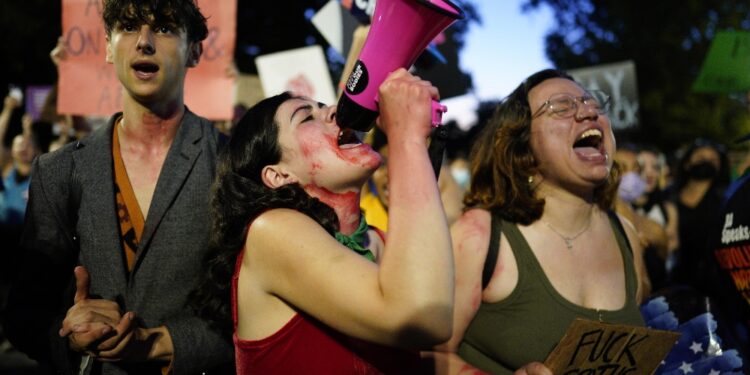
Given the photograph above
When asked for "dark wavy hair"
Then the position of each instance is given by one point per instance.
(238, 196)
(183, 13)
(502, 160)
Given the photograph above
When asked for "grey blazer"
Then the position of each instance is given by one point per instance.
(72, 219)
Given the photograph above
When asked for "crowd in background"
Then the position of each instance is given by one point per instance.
(669, 197)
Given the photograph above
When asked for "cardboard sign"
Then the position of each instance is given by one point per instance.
(88, 84)
(303, 71)
(726, 68)
(619, 81)
(593, 348)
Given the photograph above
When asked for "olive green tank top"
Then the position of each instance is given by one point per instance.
(526, 326)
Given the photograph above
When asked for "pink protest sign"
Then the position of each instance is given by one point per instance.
(88, 85)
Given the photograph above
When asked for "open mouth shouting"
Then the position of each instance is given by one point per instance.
(590, 145)
(145, 70)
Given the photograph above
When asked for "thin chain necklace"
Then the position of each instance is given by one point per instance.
(569, 240)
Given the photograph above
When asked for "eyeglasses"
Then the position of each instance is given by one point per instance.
(565, 105)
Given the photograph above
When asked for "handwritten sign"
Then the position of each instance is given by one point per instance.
(593, 348)
(88, 84)
(732, 254)
(619, 81)
(303, 71)
(726, 68)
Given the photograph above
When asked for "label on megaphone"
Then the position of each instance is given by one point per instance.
(358, 80)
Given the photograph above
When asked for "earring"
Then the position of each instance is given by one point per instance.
(531, 180)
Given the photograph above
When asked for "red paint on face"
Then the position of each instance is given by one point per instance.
(311, 142)
(362, 155)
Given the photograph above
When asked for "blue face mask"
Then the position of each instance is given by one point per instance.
(461, 175)
(631, 187)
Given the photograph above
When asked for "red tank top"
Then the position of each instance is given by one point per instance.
(306, 346)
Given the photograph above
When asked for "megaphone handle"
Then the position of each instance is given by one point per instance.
(435, 151)
(438, 137)
(437, 113)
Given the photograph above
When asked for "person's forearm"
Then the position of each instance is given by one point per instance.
(418, 261)
(4, 121)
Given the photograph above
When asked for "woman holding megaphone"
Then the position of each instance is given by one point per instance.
(295, 273)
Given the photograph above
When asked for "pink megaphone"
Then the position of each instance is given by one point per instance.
(399, 32)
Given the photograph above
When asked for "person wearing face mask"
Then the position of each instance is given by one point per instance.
(654, 205)
(700, 180)
(652, 235)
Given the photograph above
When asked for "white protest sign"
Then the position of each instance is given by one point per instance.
(303, 71)
(619, 81)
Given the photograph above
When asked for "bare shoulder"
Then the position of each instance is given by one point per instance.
(285, 242)
(281, 220)
(473, 222)
(630, 229)
(632, 235)
(472, 218)
(471, 234)
(269, 220)
(280, 230)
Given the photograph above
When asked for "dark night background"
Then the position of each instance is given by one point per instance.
(667, 40)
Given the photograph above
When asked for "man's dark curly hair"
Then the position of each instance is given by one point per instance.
(183, 13)
(238, 196)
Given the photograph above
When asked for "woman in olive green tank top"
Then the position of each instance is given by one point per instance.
(543, 176)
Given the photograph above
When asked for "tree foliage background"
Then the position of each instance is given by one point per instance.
(668, 41)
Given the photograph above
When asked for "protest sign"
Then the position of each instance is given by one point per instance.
(619, 81)
(594, 348)
(336, 26)
(732, 250)
(303, 71)
(726, 68)
(88, 84)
